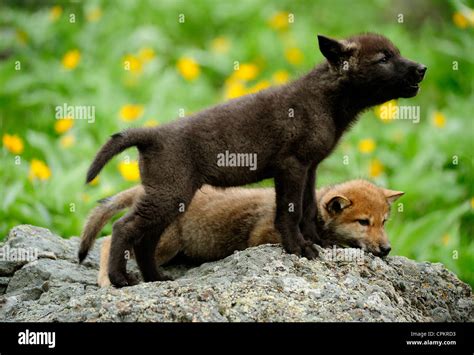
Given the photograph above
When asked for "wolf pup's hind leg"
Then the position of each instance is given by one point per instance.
(152, 214)
(156, 211)
(134, 233)
(123, 234)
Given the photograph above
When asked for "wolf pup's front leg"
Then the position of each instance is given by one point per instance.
(289, 186)
(308, 225)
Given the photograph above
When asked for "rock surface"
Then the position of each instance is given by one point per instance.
(258, 284)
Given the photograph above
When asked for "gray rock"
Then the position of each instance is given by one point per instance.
(262, 284)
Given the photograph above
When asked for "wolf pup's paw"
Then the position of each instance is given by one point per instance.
(310, 251)
(118, 279)
(310, 232)
(166, 278)
(301, 247)
(132, 279)
(156, 275)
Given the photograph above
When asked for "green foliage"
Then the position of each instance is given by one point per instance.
(431, 160)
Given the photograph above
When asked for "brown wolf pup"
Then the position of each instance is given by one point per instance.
(218, 222)
(282, 132)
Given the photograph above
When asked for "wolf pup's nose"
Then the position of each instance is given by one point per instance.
(421, 70)
(385, 249)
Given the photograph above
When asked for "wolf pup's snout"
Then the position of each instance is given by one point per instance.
(414, 75)
(385, 250)
(419, 71)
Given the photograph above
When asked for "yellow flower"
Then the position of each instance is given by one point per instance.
(445, 239)
(460, 20)
(131, 112)
(129, 171)
(387, 110)
(294, 55)
(151, 123)
(376, 168)
(67, 140)
(280, 77)
(71, 59)
(94, 181)
(94, 15)
(235, 89)
(132, 64)
(220, 45)
(39, 170)
(188, 68)
(259, 86)
(13, 143)
(146, 54)
(367, 146)
(279, 21)
(55, 12)
(472, 202)
(63, 125)
(438, 119)
(246, 71)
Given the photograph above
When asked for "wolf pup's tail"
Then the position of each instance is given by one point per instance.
(100, 215)
(139, 137)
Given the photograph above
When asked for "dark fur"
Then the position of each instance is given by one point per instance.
(177, 158)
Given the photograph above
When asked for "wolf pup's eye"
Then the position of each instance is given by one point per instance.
(363, 222)
(386, 57)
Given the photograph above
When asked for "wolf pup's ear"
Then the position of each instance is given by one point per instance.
(337, 204)
(392, 195)
(335, 51)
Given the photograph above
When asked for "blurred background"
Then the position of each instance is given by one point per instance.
(143, 63)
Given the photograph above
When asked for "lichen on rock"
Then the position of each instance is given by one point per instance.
(263, 284)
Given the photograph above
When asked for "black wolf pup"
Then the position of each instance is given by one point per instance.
(290, 129)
